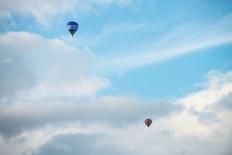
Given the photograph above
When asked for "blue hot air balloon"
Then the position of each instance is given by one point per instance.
(72, 27)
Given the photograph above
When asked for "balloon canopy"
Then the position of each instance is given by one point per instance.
(72, 27)
(148, 122)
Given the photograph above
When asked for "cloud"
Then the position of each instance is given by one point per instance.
(59, 125)
(27, 142)
(117, 111)
(226, 102)
(45, 68)
(216, 90)
(44, 11)
(202, 108)
(9, 71)
(78, 144)
(183, 131)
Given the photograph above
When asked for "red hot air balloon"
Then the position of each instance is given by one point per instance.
(148, 122)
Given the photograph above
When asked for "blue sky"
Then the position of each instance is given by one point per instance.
(132, 28)
(130, 59)
(173, 78)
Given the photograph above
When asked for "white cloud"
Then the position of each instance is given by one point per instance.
(218, 86)
(184, 132)
(181, 132)
(43, 11)
(46, 67)
(85, 86)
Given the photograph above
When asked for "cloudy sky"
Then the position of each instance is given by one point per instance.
(130, 60)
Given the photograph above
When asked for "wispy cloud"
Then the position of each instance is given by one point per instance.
(112, 30)
(184, 40)
(44, 11)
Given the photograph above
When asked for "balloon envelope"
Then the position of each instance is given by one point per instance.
(148, 122)
(72, 27)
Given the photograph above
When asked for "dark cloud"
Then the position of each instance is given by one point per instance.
(225, 103)
(102, 144)
(115, 111)
(210, 114)
(78, 144)
(15, 74)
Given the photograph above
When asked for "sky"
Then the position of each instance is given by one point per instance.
(167, 60)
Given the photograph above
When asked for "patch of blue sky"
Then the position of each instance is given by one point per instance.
(173, 78)
(114, 30)
(92, 22)
(123, 29)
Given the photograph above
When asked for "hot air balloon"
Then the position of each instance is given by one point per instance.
(148, 122)
(72, 27)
